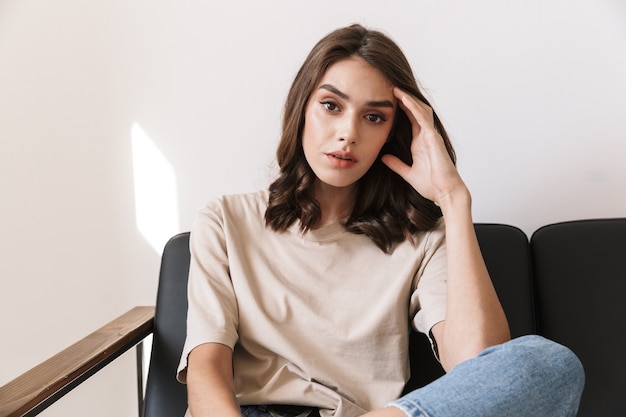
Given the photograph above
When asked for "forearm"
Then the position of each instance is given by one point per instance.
(474, 317)
(210, 382)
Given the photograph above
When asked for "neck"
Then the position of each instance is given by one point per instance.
(335, 203)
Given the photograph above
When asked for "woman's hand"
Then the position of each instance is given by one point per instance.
(432, 173)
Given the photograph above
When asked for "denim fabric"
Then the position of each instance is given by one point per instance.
(528, 376)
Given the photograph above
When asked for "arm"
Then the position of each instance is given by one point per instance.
(474, 317)
(210, 382)
(207, 358)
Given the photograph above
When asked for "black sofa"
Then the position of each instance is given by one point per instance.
(568, 283)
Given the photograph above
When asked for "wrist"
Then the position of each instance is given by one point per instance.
(458, 200)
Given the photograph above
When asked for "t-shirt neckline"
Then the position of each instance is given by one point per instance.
(328, 232)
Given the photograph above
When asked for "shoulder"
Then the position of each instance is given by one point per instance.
(229, 217)
(435, 238)
(228, 214)
(438, 232)
(237, 205)
(427, 240)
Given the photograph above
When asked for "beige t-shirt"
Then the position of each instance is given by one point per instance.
(320, 318)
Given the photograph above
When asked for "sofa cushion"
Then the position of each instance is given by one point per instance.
(580, 281)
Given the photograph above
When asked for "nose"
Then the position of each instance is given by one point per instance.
(349, 131)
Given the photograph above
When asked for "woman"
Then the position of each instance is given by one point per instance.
(301, 297)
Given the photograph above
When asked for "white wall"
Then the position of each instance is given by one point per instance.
(532, 92)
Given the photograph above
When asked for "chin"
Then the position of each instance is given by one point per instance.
(339, 183)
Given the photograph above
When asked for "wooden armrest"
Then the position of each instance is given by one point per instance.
(42, 385)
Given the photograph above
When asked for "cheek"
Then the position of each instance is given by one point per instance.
(306, 128)
(308, 134)
(315, 129)
(311, 137)
(374, 147)
(378, 140)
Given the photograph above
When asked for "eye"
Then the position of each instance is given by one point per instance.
(329, 105)
(374, 118)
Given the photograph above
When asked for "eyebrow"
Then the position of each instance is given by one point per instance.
(373, 103)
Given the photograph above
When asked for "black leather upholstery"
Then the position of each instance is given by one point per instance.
(580, 279)
(165, 396)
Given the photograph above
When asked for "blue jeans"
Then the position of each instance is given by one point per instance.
(528, 376)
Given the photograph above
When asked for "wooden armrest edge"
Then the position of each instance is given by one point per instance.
(53, 378)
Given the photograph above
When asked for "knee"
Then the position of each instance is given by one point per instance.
(555, 365)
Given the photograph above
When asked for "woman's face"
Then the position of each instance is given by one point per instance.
(348, 119)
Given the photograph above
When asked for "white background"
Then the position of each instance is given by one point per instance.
(97, 97)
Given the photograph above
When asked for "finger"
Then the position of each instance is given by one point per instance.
(413, 103)
(415, 126)
(418, 111)
(396, 165)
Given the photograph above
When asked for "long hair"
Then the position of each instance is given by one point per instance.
(387, 209)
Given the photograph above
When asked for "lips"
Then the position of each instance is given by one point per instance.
(344, 156)
(341, 159)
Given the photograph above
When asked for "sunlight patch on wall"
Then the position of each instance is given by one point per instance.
(156, 199)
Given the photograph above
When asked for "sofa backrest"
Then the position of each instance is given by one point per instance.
(165, 396)
(579, 271)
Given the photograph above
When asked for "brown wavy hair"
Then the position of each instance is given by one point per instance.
(387, 209)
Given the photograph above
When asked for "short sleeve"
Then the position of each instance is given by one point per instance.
(212, 313)
(428, 301)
